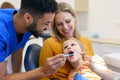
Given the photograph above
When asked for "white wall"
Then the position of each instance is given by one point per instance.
(104, 18)
(16, 3)
(71, 2)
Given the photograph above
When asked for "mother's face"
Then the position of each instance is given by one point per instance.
(65, 24)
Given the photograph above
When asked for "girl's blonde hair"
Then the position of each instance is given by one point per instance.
(64, 7)
(78, 41)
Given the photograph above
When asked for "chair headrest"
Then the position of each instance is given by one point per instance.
(32, 57)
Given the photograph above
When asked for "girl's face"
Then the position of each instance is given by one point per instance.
(72, 46)
(65, 24)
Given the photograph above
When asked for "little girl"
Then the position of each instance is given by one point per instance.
(74, 52)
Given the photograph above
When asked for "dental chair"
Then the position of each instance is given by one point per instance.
(31, 52)
(32, 57)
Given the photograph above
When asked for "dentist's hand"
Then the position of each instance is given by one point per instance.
(53, 64)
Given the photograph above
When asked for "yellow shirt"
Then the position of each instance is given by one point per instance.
(52, 47)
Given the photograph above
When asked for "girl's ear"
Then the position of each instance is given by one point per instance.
(82, 51)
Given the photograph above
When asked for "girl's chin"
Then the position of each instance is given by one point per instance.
(72, 60)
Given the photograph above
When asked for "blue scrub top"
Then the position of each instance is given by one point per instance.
(8, 37)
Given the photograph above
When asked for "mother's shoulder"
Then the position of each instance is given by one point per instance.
(84, 38)
(51, 39)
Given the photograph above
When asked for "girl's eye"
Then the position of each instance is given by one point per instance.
(65, 47)
(72, 44)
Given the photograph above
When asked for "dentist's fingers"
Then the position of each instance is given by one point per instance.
(53, 64)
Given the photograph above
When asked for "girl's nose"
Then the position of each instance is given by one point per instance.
(69, 47)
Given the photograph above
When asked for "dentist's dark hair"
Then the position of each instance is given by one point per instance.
(38, 7)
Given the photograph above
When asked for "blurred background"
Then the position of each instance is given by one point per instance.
(97, 18)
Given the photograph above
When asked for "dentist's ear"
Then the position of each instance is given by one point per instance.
(28, 18)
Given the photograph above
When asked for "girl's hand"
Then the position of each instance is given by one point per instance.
(87, 60)
(95, 62)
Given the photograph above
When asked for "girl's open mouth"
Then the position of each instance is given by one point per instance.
(70, 54)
